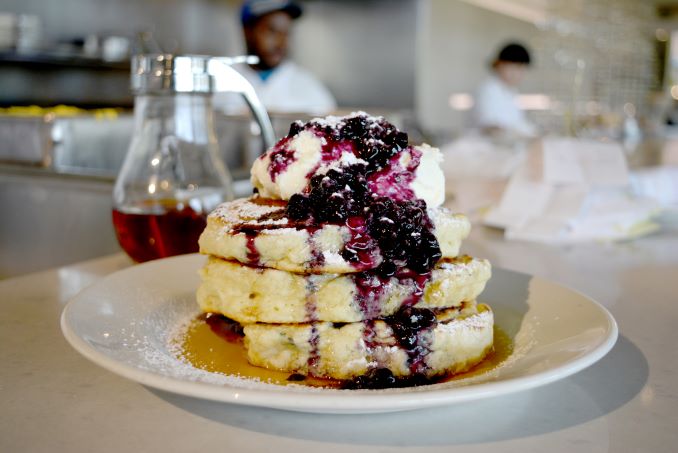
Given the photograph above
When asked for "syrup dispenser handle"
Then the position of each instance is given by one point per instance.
(227, 79)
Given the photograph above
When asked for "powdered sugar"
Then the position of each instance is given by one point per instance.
(245, 211)
(333, 258)
(160, 350)
(337, 121)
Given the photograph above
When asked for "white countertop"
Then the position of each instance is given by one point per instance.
(53, 399)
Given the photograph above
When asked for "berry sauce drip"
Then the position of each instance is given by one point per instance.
(313, 355)
(370, 335)
(317, 257)
(370, 288)
(417, 283)
(390, 232)
(410, 327)
(311, 300)
(395, 180)
(281, 158)
(331, 151)
(360, 249)
(252, 252)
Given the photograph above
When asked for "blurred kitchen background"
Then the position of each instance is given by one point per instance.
(602, 69)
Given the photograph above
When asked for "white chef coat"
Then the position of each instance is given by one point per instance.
(289, 88)
(496, 106)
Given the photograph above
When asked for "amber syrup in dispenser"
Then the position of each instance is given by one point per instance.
(147, 237)
(172, 176)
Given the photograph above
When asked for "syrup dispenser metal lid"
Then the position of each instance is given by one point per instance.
(168, 73)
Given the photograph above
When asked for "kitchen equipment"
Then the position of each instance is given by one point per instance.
(172, 176)
(50, 136)
(26, 139)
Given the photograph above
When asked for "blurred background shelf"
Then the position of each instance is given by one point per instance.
(597, 64)
(54, 60)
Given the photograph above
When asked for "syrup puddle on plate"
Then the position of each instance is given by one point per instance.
(205, 350)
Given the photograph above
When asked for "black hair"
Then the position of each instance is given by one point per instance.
(514, 53)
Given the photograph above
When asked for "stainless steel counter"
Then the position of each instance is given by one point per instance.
(55, 217)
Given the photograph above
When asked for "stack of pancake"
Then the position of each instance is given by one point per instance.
(305, 309)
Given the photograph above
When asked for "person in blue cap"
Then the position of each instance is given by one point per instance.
(281, 84)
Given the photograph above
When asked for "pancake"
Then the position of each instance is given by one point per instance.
(256, 232)
(249, 295)
(460, 338)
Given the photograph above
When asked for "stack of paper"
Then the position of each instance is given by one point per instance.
(571, 190)
(477, 170)
(658, 183)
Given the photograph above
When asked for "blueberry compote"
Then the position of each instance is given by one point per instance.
(397, 224)
(391, 234)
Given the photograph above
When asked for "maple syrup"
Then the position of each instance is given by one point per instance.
(204, 349)
(148, 236)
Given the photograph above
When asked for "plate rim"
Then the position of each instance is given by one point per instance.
(334, 400)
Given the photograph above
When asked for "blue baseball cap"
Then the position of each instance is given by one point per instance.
(252, 10)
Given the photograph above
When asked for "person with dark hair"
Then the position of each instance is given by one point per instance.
(496, 109)
(281, 84)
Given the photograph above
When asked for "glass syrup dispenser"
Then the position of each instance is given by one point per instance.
(172, 176)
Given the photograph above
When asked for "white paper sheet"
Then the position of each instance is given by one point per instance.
(575, 161)
(571, 191)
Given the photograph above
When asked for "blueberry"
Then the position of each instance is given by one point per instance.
(299, 207)
(406, 337)
(404, 233)
(415, 318)
(358, 249)
(225, 327)
(338, 194)
(296, 377)
(354, 128)
(357, 383)
(383, 377)
(295, 128)
(408, 323)
(386, 269)
(400, 140)
(375, 139)
(380, 378)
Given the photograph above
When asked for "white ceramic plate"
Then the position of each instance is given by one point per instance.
(124, 323)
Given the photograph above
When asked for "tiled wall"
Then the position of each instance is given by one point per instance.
(591, 59)
(597, 59)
